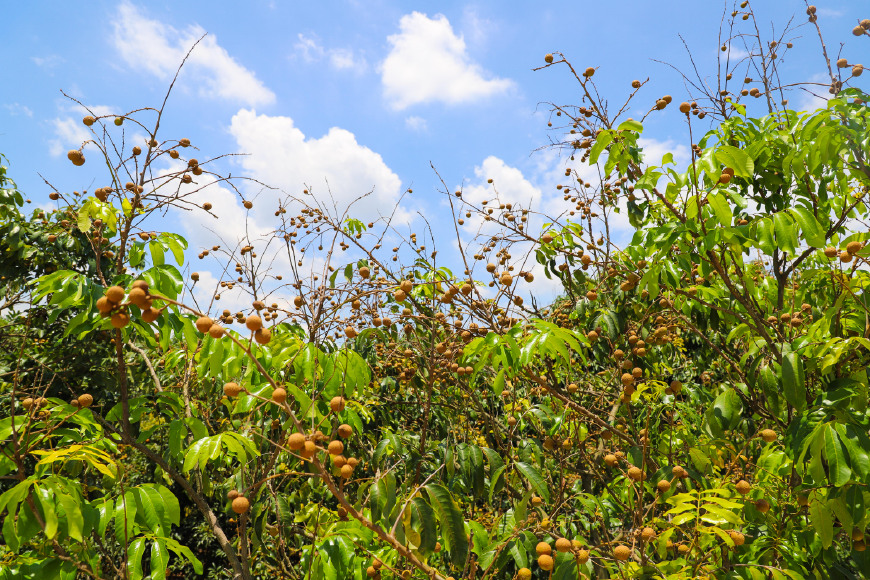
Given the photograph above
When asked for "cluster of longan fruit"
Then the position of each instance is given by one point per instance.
(112, 305)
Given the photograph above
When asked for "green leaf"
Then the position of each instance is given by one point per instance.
(736, 159)
(632, 125)
(534, 476)
(812, 230)
(452, 523)
(134, 558)
(157, 257)
(835, 454)
(786, 234)
(793, 381)
(721, 208)
(822, 520)
(159, 560)
(724, 413)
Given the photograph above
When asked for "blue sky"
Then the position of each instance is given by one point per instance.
(362, 95)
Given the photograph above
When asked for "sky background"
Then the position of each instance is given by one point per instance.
(364, 95)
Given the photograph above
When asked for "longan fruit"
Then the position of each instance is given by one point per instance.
(854, 247)
(859, 545)
(563, 545)
(743, 487)
(119, 121)
(543, 548)
(582, 556)
(184, 142)
(635, 473)
(204, 323)
(279, 395)
(104, 306)
(548, 58)
(635, 84)
(769, 435)
(254, 322)
(524, 574)
(339, 461)
(247, 204)
(139, 297)
(232, 389)
(27, 403)
(546, 562)
(762, 505)
(663, 486)
(263, 336)
(610, 460)
(115, 294)
(88, 120)
(137, 150)
(622, 553)
(296, 441)
(345, 431)
(85, 400)
(206, 206)
(336, 447)
(347, 471)
(216, 331)
(831, 252)
(857, 534)
(845, 257)
(241, 505)
(364, 272)
(232, 494)
(120, 319)
(738, 538)
(308, 449)
(647, 534)
(537, 501)
(337, 404)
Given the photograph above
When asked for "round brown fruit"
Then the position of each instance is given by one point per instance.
(768, 435)
(762, 505)
(738, 538)
(241, 505)
(524, 574)
(548, 58)
(279, 395)
(563, 545)
(296, 441)
(663, 486)
(345, 431)
(85, 400)
(336, 447)
(347, 471)
(254, 322)
(647, 534)
(115, 294)
(232, 389)
(546, 562)
(337, 404)
(232, 494)
(543, 548)
(216, 331)
(263, 336)
(622, 553)
(120, 319)
(204, 323)
(743, 487)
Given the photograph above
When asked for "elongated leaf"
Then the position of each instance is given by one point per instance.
(812, 230)
(452, 522)
(736, 159)
(537, 482)
(835, 454)
(793, 381)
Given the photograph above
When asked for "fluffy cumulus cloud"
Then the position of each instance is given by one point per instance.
(158, 48)
(336, 168)
(70, 132)
(428, 62)
(310, 50)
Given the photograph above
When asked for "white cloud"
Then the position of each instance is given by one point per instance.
(416, 123)
(47, 62)
(16, 109)
(816, 97)
(158, 48)
(311, 50)
(70, 132)
(336, 167)
(429, 62)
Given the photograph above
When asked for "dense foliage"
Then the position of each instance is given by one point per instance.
(692, 406)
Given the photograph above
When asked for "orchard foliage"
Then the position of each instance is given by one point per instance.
(693, 405)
